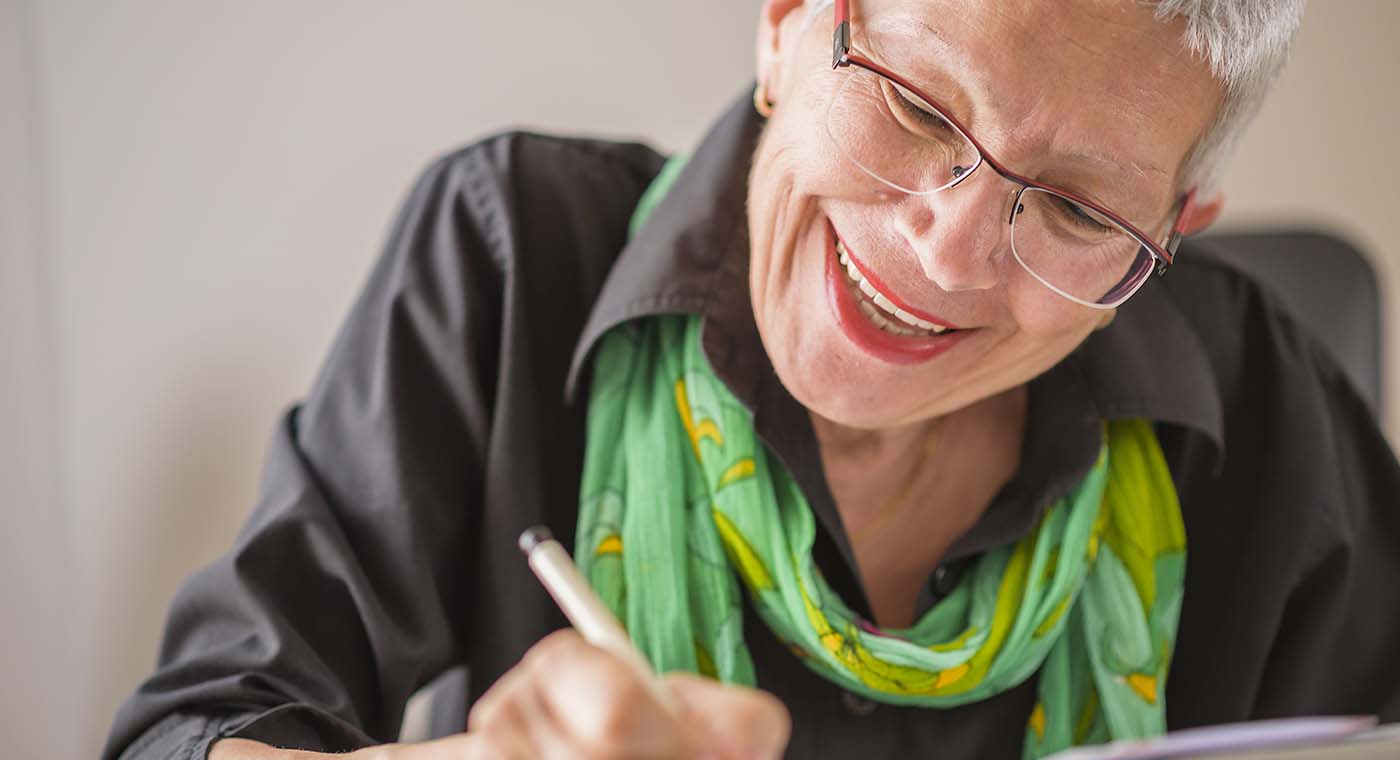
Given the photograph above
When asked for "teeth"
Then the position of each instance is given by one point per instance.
(888, 325)
(886, 304)
(888, 317)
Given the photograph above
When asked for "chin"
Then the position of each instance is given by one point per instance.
(837, 384)
(867, 408)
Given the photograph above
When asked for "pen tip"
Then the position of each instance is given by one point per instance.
(533, 537)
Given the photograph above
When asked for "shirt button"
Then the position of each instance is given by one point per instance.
(943, 581)
(856, 704)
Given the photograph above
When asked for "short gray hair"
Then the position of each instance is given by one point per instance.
(1246, 44)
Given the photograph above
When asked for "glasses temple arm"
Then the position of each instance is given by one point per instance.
(1183, 216)
(841, 43)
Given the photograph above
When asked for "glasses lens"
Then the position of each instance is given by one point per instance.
(1076, 250)
(896, 136)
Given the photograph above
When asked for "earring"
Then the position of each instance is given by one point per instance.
(761, 103)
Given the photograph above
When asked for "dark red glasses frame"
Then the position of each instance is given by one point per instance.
(844, 55)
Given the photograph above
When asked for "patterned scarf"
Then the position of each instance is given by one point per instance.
(680, 504)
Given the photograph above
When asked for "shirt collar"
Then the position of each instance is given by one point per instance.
(691, 256)
(1150, 363)
(696, 234)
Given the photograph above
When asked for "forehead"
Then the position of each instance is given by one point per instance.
(1101, 81)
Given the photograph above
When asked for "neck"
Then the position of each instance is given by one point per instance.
(941, 470)
(847, 449)
(906, 493)
(863, 447)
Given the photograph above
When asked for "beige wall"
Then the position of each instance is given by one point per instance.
(41, 643)
(1326, 149)
(207, 184)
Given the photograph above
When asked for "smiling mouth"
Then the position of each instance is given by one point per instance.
(879, 308)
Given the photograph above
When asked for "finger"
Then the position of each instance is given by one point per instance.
(601, 704)
(489, 707)
(533, 714)
(496, 719)
(732, 721)
(510, 685)
(515, 719)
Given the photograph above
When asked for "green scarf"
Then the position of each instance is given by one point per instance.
(680, 503)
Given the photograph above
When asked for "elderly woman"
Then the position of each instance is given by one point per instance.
(872, 414)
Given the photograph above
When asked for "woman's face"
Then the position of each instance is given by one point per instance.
(1089, 95)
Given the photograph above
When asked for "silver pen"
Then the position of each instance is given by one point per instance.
(581, 605)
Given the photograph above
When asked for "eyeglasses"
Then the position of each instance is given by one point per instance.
(898, 135)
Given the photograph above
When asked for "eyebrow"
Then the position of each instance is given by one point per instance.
(1135, 167)
(1128, 200)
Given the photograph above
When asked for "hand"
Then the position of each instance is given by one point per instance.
(569, 699)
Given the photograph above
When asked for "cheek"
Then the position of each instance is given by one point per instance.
(1050, 325)
(793, 173)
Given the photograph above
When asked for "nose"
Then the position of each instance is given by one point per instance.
(958, 234)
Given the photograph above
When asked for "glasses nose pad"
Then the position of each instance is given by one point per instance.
(961, 173)
(1017, 207)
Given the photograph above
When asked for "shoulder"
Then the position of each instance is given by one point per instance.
(1294, 535)
(514, 231)
(522, 154)
(1260, 346)
(1299, 435)
(516, 211)
(519, 196)
(518, 179)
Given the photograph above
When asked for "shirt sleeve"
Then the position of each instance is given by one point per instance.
(1335, 649)
(348, 587)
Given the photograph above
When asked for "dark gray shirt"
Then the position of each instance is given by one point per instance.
(449, 416)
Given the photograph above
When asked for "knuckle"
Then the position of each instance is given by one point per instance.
(480, 713)
(505, 736)
(483, 714)
(498, 703)
(554, 651)
(603, 705)
(584, 664)
(619, 720)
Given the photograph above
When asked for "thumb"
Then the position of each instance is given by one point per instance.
(731, 721)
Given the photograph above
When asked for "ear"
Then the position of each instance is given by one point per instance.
(777, 26)
(1199, 215)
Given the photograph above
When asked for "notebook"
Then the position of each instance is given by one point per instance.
(1318, 738)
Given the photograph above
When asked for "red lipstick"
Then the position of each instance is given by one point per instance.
(886, 346)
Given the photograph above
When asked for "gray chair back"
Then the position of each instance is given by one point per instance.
(1328, 284)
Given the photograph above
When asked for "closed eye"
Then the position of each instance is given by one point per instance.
(914, 107)
(1081, 216)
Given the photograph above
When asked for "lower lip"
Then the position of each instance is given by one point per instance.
(888, 347)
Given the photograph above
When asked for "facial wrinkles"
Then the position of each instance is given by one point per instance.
(777, 265)
(1020, 107)
(947, 254)
(918, 50)
(793, 178)
(1135, 101)
(893, 249)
